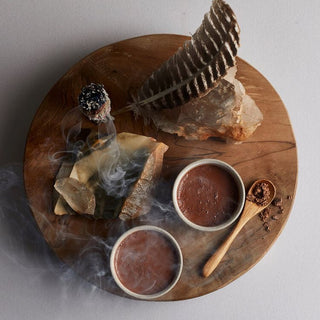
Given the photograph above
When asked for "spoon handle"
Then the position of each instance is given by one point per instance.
(215, 259)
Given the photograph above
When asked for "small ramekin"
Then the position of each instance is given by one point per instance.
(176, 247)
(238, 180)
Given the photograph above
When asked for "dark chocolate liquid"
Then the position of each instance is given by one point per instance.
(207, 195)
(146, 262)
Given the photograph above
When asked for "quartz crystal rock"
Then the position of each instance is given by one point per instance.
(226, 112)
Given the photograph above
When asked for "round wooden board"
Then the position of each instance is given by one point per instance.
(85, 244)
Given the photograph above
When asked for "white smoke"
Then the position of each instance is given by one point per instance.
(22, 241)
(23, 244)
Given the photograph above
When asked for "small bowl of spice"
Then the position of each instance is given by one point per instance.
(146, 262)
(208, 195)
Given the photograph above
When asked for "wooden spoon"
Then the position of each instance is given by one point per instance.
(250, 210)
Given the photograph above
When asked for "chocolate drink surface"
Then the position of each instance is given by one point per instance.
(146, 262)
(207, 195)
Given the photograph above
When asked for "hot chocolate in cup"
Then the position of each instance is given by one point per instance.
(146, 262)
(208, 195)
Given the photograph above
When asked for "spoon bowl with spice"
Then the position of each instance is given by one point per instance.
(259, 196)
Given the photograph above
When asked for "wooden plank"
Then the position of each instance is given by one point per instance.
(85, 244)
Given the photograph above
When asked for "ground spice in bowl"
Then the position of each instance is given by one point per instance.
(260, 194)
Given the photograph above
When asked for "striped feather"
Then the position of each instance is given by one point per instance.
(196, 67)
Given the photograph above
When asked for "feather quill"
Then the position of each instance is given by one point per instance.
(196, 67)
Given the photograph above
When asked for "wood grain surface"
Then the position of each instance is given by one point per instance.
(85, 244)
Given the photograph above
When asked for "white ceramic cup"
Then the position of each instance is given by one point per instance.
(238, 181)
(175, 246)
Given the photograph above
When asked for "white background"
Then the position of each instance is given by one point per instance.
(41, 39)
